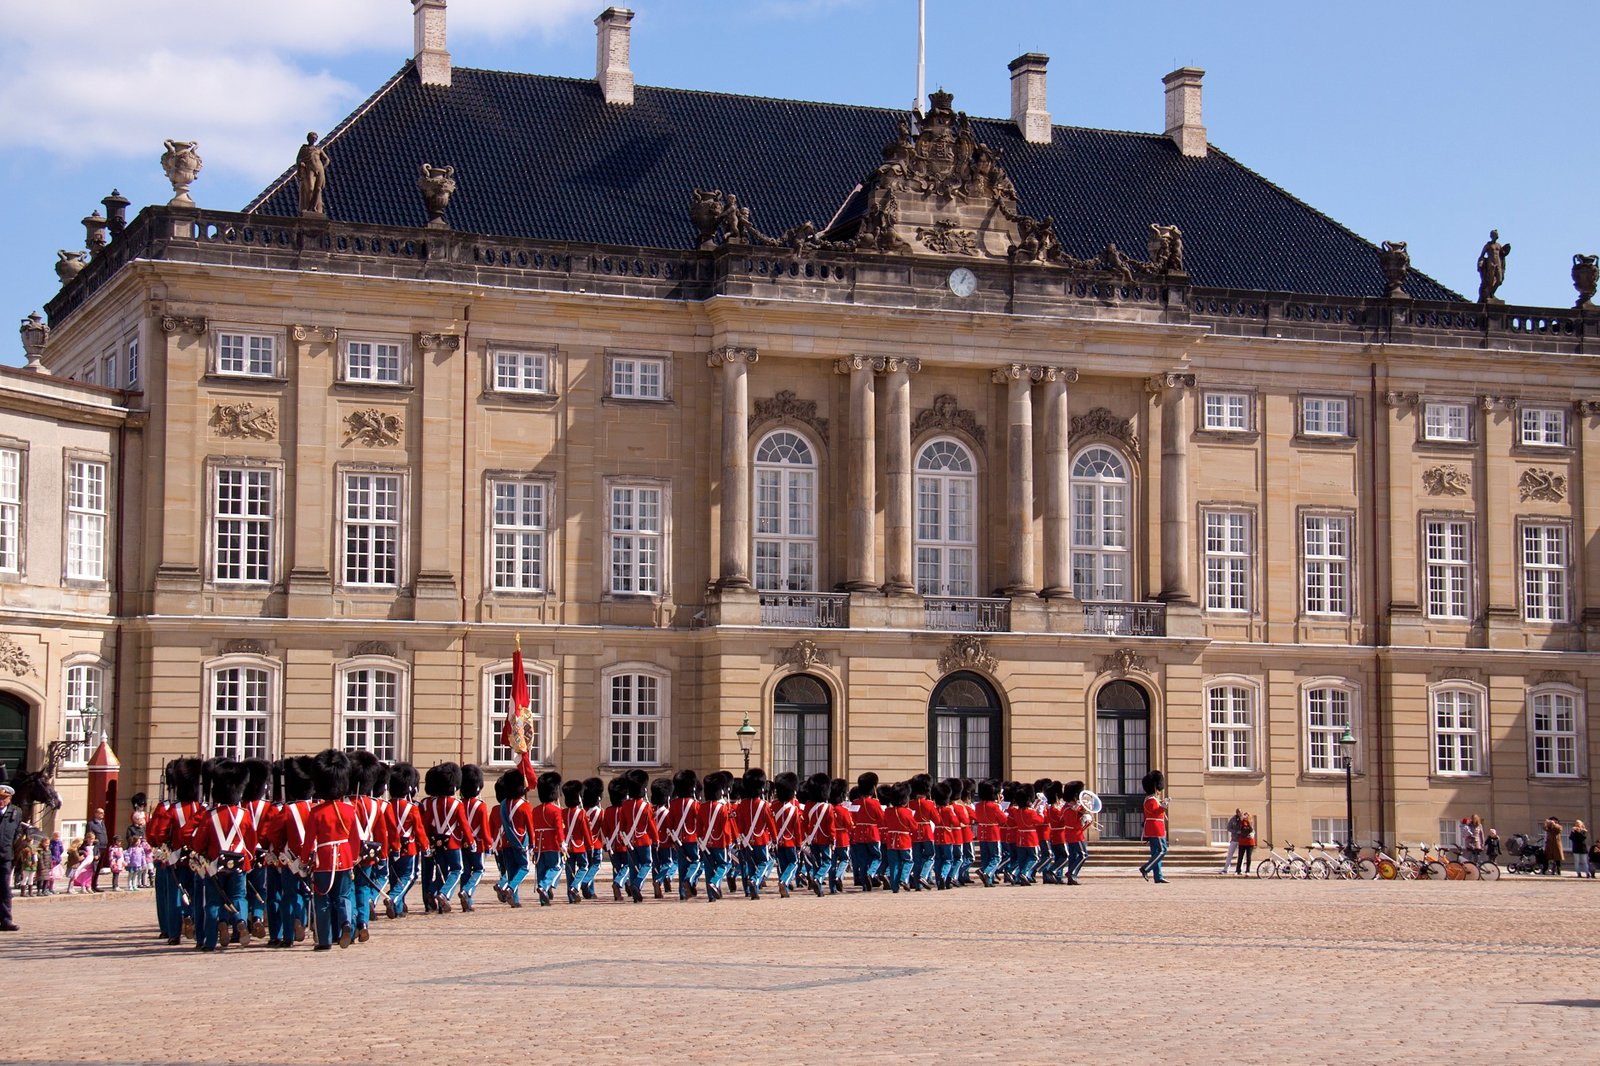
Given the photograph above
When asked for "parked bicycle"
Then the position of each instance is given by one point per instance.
(1471, 869)
(1275, 865)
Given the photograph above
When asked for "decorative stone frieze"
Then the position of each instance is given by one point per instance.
(244, 647)
(803, 654)
(1446, 480)
(1548, 486)
(947, 414)
(1122, 661)
(192, 324)
(1100, 422)
(967, 652)
(327, 334)
(13, 658)
(372, 427)
(374, 647)
(244, 421)
(788, 409)
(439, 342)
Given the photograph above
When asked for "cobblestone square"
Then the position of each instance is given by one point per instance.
(1203, 970)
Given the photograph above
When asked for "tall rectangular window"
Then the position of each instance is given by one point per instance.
(1555, 734)
(1543, 427)
(1227, 411)
(10, 509)
(1457, 722)
(527, 372)
(372, 361)
(242, 517)
(1544, 573)
(372, 712)
(1325, 416)
(635, 539)
(1327, 717)
(1227, 561)
(83, 697)
(1449, 561)
(108, 366)
(250, 354)
(500, 705)
(86, 520)
(1330, 830)
(1447, 422)
(371, 529)
(634, 716)
(518, 536)
(1229, 727)
(240, 708)
(1326, 556)
(133, 363)
(638, 379)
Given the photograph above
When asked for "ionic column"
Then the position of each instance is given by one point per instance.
(1057, 484)
(1019, 380)
(1168, 388)
(859, 571)
(734, 570)
(897, 508)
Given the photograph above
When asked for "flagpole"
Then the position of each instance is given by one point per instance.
(922, 52)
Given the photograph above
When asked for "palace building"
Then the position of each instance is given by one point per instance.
(989, 447)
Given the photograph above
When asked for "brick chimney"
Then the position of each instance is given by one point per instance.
(1183, 111)
(1028, 108)
(433, 61)
(611, 69)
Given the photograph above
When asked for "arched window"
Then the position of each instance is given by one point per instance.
(242, 694)
(1554, 718)
(372, 708)
(1330, 708)
(947, 537)
(497, 692)
(964, 728)
(636, 719)
(1100, 525)
(83, 697)
(785, 528)
(1230, 724)
(1458, 729)
(801, 720)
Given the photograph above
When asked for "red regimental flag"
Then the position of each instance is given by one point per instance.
(520, 700)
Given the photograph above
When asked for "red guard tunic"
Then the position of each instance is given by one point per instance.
(682, 825)
(224, 829)
(844, 825)
(788, 820)
(185, 819)
(716, 824)
(636, 824)
(947, 830)
(549, 829)
(575, 830)
(1026, 823)
(927, 816)
(752, 819)
(1155, 818)
(331, 844)
(868, 817)
(989, 818)
(899, 826)
(372, 825)
(1056, 818)
(407, 834)
(521, 829)
(1077, 828)
(478, 821)
(446, 817)
(818, 822)
(158, 827)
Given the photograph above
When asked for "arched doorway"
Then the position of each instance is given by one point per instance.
(13, 734)
(964, 728)
(802, 721)
(1122, 757)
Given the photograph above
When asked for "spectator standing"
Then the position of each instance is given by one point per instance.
(1233, 841)
(1553, 855)
(138, 862)
(82, 858)
(1491, 844)
(1469, 838)
(1247, 843)
(102, 839)
(1579, 837)
(1594, 857)
(11, 825)
(117, 861)
(137, 819)
(55, 868)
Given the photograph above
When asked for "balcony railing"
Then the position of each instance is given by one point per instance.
(1125, 619)
(805, 610)
(968, 614)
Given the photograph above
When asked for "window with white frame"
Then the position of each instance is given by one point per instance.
(1325, 550)
(636, 539)
(1448, 554)
(86, 520)
(1330, 830)
(1554, 714)
(785, 531)
(1544, 573)
(83, 696)
(1447, 422)
(1226, 411)
(500, 684)
(247, 354)
(1100, 526)
(1457, 731)
(132, 352)
(108, 368)
(1543, 427)
(370, 718)
(372, 529)
(10, 509)
(241, 710)
(1329, 712)
(635, 717)
(1230, 727)
(947, 530)
(522, 372)
(638, 378)
(1325, 416)
(1220, 836)
(1449, 832)
(517, 536)
(1227, 560)
(375, 362)
(242, 525)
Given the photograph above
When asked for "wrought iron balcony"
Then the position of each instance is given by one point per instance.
(968, 614)
(1115, 619)
(805, 610)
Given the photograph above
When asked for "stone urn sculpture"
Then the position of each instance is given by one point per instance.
(94, 230)
(182, 164)
(70, 264)
(437, 185)
(1395, 262)
(1585, 273)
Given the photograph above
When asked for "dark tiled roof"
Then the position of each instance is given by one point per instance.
(545, 157)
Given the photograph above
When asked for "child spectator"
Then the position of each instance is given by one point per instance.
(117, 861)
(138, 863)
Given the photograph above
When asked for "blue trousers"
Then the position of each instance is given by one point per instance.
(367, 881)
(866, 860)
(1055, 863)
(964, 863)
(945, 862)
(688, 867)
(220, 900)
(169, 903)
(640, 861)
(287, 893)
(596, 858)
(716, 868)
(547, 870)
(1008, 858)
(922, 855)
(445, 871)
(989, 857)
(402, 875)
(255, 892)
(666, 862)
(513, 868)
(841, 863)
(1024, 859)
(577, 870)
(1077, 855)
(897, 868)
(821, 858)
(1158, 849)
(333, 898)
(428, 874)
(471, 872)
(187, 905)
(753, 863)
(788, 865)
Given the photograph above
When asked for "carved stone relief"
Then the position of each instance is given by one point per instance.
(372, 427)
(1100, 422)
(182, 324)
(1446, 481)
(1401, 399)
(967, 652)
(244, 421)
(1551, 677)
(318, 333)
(947, 414)
(374, 647)
(439, 342)
(244, 647)
(786, 409)
(803, 654)
(13, 658)
(1456, 673)
(945, 237)
(1538, 484)
(1121, 661)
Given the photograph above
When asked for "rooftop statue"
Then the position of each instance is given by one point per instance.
(1585, 273)
(182, 163)
(437, 185)
(311, 172)
(1492, 268)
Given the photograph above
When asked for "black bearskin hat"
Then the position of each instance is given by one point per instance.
(660, 792)
(332, 774)
(510, 785)
(1154, 782)
(868, 783)
(684, 782)
(228, 779)
(638, 783)
(257, 773)
(365, 771)
(715, 785)
(443, 779)
(593, 789)
(987, 793)
(941, 793)
(617, 791)
(783, 788)
(471, 780)
(1051, 790)
(297, 778)
(755, 782)
(137, 801)
(1071, 791)
(402, 780)
(549, 786)
(208, 770)
(184, 777)
(572, 793)
(838, 791)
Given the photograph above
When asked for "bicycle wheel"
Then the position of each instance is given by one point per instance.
(1469, 871)
(1367, 870)
(1321, 869)
(1489, 871)
(1298, 869)
(1388, 869)
(1447, 871)
(1266, 868)
(1347, 870)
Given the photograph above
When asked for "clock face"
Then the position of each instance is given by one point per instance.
(963, 282)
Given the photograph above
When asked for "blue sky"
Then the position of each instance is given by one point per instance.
(1425, 121)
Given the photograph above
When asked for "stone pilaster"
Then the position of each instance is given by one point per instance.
(860, 574)
(897, 563)
(1057, 484)
(1497, 548)
(1586, 507)
(734, 569)
(1168, 390)
(310, 493)
(1019, 380)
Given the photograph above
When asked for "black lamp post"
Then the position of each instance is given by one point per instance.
(1347, 748)
(746, 734)
(59, 751)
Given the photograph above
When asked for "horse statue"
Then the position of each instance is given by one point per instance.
(30, 789)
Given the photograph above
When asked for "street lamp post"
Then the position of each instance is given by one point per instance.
(59, 751)
(1347, 748)
(746, 734)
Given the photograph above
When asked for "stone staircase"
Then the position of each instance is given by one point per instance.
(1133, 853)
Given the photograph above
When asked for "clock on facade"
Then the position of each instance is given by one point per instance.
(963, 282)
